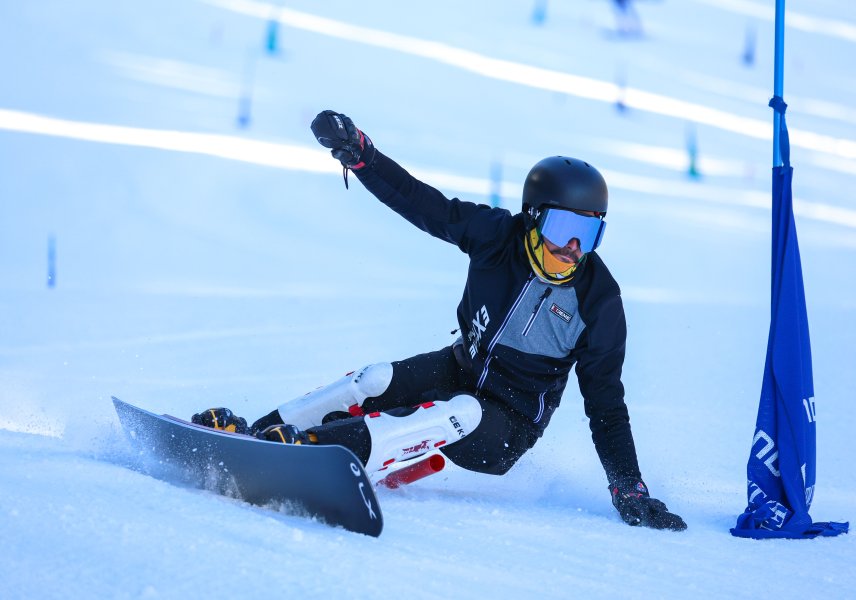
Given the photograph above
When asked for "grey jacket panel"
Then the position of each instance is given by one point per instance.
(546, 322)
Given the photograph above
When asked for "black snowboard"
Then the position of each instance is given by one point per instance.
(327, 482)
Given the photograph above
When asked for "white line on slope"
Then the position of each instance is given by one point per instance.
(282, 156)
(796, 20)
(301, 158)
(537, 77)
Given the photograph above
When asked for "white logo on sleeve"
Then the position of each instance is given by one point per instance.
(479, 326)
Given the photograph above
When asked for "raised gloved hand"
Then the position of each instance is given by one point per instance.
(630, 497)
(347, 144)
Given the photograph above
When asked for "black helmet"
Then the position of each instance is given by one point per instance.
(564, 183)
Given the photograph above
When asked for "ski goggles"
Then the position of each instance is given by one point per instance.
(561, 226)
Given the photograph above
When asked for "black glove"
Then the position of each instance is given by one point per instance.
(221, 418)
(348, 144)
(630, 497)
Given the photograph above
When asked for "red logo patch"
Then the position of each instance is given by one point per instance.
(422, 447)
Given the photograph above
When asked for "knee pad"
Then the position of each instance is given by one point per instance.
(371, 381)
(351, 390)
(430, 426)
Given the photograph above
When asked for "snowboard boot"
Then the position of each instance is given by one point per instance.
(287, 434)
(380, 439)
(343, 397)
(222, 419)
(404, 434)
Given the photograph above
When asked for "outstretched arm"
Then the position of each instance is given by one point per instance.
(469, 226)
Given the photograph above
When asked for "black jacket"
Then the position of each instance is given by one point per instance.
(523, 335)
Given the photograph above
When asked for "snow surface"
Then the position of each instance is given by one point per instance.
(199, 263)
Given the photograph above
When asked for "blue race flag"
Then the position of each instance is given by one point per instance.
(781, 468)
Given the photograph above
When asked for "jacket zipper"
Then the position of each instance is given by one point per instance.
(496, 336)
(535, 312)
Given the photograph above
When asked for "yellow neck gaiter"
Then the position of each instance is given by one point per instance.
(545, 265)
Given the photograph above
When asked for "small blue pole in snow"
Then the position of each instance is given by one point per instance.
(539, 12)
(749, 46)
(621, 84)
(272, 37)
(778, 77)
(692, 152)
(495, 183)
(245, 107)
(245, 102)
(51, 261)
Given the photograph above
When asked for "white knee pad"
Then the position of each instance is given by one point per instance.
(431, 426)
(352, 389)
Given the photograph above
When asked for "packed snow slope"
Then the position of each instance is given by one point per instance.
(171, 234)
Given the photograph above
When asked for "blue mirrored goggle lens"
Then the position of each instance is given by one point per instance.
(561, 226)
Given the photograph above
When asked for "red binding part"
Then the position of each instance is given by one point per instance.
(433, 464)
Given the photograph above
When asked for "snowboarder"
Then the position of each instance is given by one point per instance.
(538, 301)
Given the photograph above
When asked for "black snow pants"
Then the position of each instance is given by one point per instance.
(502, 437)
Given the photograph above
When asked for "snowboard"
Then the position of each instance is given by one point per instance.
(326, 482)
